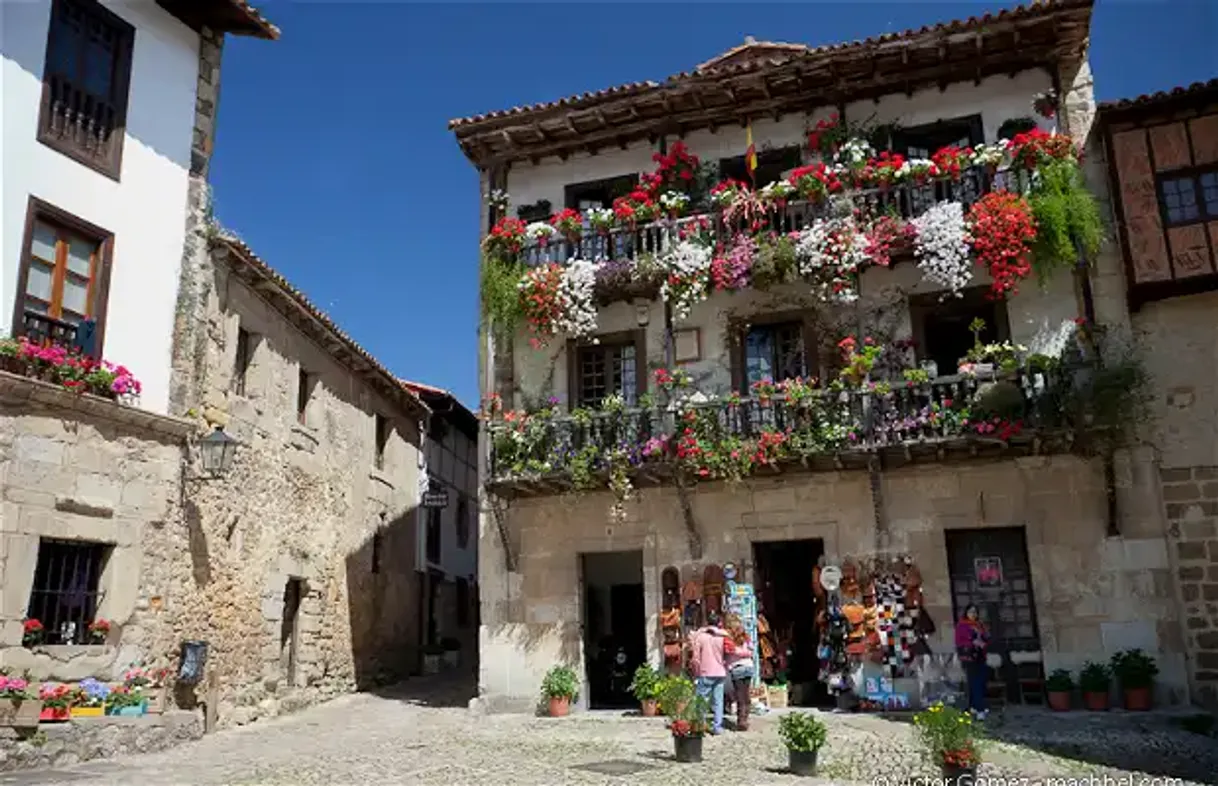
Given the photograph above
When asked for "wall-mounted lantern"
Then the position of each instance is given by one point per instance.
(216, 452)
(642, 311)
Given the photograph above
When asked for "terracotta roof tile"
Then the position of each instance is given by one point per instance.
(246, 253)
(256, 18)
(957, 25)
(1150, 99)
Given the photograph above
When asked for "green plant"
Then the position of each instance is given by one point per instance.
(647, 683)
(1095, 678)
(1068, 221)
(690, 718)
(560, 683)
(948, 736)
(1060, 681)
(801, 731)
(501, 294)
(675, 692)
(124, 696)
(1134, 669)
(774, 261)
(916, 376)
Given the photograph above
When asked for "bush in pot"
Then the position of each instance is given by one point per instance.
(1059, 687)
(560, 687)
(56, 701)
(675, 692)
(804, 736)
(1094, 681)
(19, 706)
(950, 741)
(1135, 671)
(646, 687)
(688, 727)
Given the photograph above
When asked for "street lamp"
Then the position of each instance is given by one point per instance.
(216, 452)
(642, 311)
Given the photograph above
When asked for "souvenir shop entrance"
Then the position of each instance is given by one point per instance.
(614, 632)
(787, 605)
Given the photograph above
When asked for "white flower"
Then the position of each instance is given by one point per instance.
(942, 246)
(991, 155)
(779, 189)
(673, 201)
(686, 269)
(915, 166)
(539, 230)
(830, 253)
(854, 153)
(576, 299)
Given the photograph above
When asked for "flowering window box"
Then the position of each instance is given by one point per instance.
(129, 711)
(87, 712)
(54, 715)
(20, 714)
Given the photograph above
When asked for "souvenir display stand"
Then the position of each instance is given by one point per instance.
(743, 603)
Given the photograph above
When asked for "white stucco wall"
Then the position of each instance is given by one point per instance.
(145, 210)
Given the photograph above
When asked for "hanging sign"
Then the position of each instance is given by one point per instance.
(830, 577)
(988, 571)
(435, 498)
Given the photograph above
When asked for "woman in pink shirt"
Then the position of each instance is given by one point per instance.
(706, 663)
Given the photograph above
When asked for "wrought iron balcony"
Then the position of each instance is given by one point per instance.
(950, 417)
(42, 329)
(905, 200)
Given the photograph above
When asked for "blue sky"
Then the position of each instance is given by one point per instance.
(334, 161)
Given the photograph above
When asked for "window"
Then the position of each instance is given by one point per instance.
(383, 430)
(922, 141)
(463, 522)
(434, 533)
(304, 391)
(770, 165)
(776, 352)
(64, 275)
(84, 84)
(614, 366)
(241, 362)
(1187, 198)
(377, 545)
(66, 593)
(941, 329)
(463, 602)
(599, 193)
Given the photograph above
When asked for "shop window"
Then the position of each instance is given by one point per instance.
(85, 82)
(771, 164)
(942, 329)
(616, 365)
(1188, 198)
(776, 352)
(66, 591)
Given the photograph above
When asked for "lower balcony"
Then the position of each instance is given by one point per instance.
(790, 426)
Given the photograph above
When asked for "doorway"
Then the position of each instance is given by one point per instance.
(782, 578)
(989, 567)
(289, 628)
(614, 625)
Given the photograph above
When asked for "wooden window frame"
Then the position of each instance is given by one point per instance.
(637, 338)
(120, 86)
(971, 124)
(99, 283)
(925, 305)
(610, 185)
(738, 330)
(767, 159)
(1194, 174)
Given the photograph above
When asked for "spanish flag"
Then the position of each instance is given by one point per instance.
(750, 155)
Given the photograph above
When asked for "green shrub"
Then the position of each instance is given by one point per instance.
(801, 731)
(560, 683)
(1060, 681)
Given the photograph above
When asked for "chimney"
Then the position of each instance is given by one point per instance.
(749, 40)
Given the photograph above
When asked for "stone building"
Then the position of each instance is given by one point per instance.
(1162, 152)
(1072, 530)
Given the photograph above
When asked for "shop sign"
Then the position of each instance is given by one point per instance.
(435, 498)
(988, 572)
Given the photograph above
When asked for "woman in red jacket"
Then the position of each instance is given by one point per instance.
(972, 643)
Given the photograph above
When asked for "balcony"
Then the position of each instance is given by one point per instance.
(41, 329)
(791, 429)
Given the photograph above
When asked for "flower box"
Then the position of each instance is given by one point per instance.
(87, 712)
(129, 711)
(20, 714)
(158, 701)
(54, 715)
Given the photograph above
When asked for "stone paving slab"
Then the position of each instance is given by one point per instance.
(397, 739)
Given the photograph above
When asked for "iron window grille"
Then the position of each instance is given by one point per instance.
(66, 592)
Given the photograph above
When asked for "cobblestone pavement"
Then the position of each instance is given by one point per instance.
(397, 738)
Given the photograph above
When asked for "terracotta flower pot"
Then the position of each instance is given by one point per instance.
(1059, 700)
(649, 707)
(1096, 701)
(560, 706)
(1137, 699)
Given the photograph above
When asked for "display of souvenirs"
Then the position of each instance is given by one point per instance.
(712, 589)
(742, 602)
(691, 600)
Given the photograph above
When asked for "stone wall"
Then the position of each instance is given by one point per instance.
(80, 468)
(1094, 594)
(65, 744)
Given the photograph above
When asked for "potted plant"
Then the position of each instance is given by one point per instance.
(99, 630)
(452, 652)
(56, 702)
(560, 687)
(124, 700)
(1135, 672)
(804, 736)
(89, 700)
(140, 678)
(32, 633)
(1094, 681)
(949, 739)
(18, 706)
(1059, 686)
(433, 658)
(646, 686)
(675, 692)
(688, 728)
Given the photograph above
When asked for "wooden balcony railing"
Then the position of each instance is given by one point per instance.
(950, 412)
(905, 200)
(42, 329)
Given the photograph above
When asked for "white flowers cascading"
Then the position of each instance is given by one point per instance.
(830, 253)
(942, 246)
(576, 298)
(686, 269)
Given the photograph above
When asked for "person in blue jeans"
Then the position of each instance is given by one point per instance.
(707, 666)
(972, 644)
